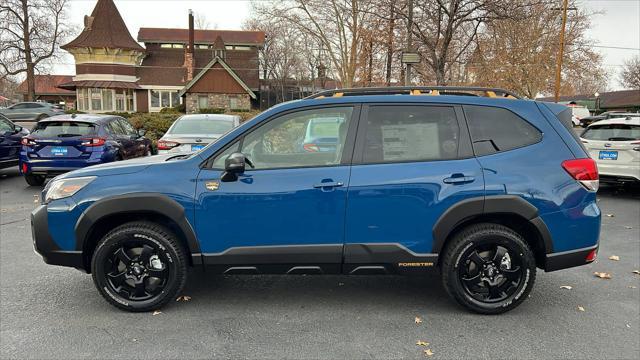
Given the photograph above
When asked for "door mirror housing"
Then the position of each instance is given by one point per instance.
(17, 129)
(141, 132)
(233, 166)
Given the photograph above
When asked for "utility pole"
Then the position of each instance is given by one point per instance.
(407, 74)
(561, 50)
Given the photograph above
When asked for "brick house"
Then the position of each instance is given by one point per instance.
(200, 68)
(47, 90)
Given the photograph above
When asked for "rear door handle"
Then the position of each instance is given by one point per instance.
(458, 179)
(328, 184)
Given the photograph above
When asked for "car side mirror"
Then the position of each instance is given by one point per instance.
(233, 166)
(141, 132)
(17, 129)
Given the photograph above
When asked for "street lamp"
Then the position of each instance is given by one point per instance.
(597, 95)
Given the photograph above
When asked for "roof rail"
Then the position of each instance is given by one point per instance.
(418, 90)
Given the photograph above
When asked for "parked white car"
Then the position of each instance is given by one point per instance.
(615, 145)
(577, 113)
(193, 132)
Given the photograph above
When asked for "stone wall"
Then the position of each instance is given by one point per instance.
(218, 101)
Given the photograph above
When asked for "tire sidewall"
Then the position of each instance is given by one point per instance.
(514, 244)
(115, 240)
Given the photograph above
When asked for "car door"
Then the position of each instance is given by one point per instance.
(15, 112)
(412, 162)
(136, 143)
(286, 215)
(119, 135)
(8, 144)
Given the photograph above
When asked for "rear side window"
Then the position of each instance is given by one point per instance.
(613, 132)
(63, 129)
(399, 133)
(495, 129)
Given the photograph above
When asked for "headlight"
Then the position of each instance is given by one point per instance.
(58, 189)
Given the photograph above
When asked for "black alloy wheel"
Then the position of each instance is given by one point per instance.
(139, 266)
(488, 268)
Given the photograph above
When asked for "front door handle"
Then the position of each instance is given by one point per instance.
(458, 179)
(331, 184)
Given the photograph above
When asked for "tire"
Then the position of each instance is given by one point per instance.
(149, 152)
(42, 116)
(126, 260)
(491, 283)
(34, 180)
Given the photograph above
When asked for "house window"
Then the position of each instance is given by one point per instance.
(120, 100)
(175, 99)
(203, 102)
(170, 46)
(155, 98)
(107, 99)
(96, 99)
(85, 93)
(202, 46)
(163, 98)
(130, 106)
(242, 48)
(80, 95)
(234, 103)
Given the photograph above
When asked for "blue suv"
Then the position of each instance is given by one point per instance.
(484, 188)
(67, 142)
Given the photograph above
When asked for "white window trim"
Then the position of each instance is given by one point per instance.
(172, 92)
(113, 101)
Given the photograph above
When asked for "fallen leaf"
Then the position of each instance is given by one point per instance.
(566, 287)
(614, 257)
(637, 272)
(184, 298)
(3, 210)
(417, 320)
(628, 227)
(628, 326)
(157, 312)
(134, 340)
(632, 287)
(610, 215)
(428, 352)
(602, 275)
(422, 343)
(580, 308)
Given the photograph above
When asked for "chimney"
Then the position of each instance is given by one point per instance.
(188, 52)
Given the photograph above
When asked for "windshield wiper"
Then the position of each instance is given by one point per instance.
(69, 135)
(621, 139)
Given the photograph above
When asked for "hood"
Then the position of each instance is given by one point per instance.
(119, 167)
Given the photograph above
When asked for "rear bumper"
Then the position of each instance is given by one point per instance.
(611, 172)
(568, 259)
(44, 245)
(56, 167)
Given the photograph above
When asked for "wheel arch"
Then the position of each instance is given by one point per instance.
(509, 210)
(105, 214)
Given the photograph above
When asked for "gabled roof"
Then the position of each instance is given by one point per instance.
(230, 37)
(217, 60)
(48, 85)
(104, 29)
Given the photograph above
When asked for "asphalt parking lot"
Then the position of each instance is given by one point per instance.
(55, 312)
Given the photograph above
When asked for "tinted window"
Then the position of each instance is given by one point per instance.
(5, 126)
(115, 128)
(218, 162)
(201, 125)
(282, 142)
(19, 106)
(613, 132)
(495, 129)
(128, 129)
(63, 129)
(410, 133)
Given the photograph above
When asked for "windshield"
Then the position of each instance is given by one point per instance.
(201, 125)
(63, 129)
(613, 132)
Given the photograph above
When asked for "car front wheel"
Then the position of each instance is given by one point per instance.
(488, 268)
(139, 266)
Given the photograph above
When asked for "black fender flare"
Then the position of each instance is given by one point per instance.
(137, 202)
(498, 204)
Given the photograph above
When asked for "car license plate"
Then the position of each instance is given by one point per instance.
(196, 147)
(608, 155)
(59, 151)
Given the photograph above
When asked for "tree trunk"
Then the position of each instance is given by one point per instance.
(31, 82)
(392, 26)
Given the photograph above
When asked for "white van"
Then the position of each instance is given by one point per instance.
(578, 112)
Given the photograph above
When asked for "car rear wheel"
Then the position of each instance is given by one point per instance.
(42, 116)
(34, 180)
(139, 266)
(488, 268)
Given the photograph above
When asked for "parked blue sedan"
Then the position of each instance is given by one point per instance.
(67, 142)
(10, 137)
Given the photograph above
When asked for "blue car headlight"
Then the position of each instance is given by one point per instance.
(62, 188)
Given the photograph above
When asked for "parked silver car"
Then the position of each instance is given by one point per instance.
(31, 111)
(193, 132)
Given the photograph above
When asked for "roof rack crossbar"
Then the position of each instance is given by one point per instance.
(415, 90)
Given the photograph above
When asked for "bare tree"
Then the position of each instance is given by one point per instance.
(519, 53)
(201, 22)
(629, 76)
(30, 35)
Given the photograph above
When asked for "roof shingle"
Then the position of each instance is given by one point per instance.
(230, 37)
(48, 85)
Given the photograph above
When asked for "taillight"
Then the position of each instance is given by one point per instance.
(27, 141)
(311, 147)
(591, 256)
(166, 145)
(584, 171)
(25, 168)
(93, 141)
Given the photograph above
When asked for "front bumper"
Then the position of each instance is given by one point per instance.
(44, 245)
(568, 259)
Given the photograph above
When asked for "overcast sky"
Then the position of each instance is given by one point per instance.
(618, 26)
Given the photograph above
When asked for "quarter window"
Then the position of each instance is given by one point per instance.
(495, 129)
(410, 133)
